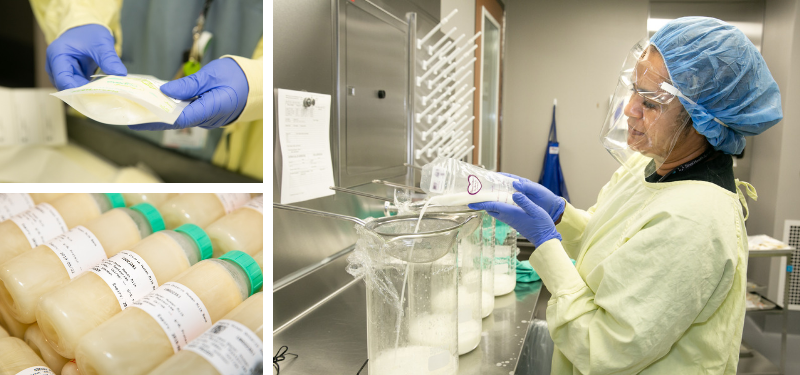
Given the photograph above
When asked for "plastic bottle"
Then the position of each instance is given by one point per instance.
(133, 342)
(71, 368)
(451, 182)
(259, 257)
(156, 199)
(17, 203)
(3, 332)
(70, 311)
(37, 342)
(46, 221)
(17, 358)
(14, 327)
(234, 345)
(200, 209)
(241, 230)
(26, 278)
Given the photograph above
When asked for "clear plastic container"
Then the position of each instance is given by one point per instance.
(61, 214)
(70, 311)
(487, 266)
(205, 356)
(26, 278)
(200, 209)
(451, 182)
(14, 327)
(412, 308)
(241, 230)
(505, 255)
(156, 199)
(16, 355)
(16, 203)
(134, 342)
(37, 342)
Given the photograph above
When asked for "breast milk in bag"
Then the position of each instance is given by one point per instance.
(124, 100)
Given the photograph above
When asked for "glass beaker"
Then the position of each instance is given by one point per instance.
(487, 265)
(471, 262)
(505, 256)
(412, 293)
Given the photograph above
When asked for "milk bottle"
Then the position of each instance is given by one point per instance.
(234, 345)
(14, 327)
(46, 221)
(37, 342)
(16, 358)
(156, 199)
(70, 311)
(162, 323)
(240, 230)
(24, 279)
(200, 209)
(17, 203)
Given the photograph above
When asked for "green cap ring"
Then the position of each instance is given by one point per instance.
(249, 266)
(200, 239)
(116, 199)
(151, 214)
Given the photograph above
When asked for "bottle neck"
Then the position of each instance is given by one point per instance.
(101, 200)
(187, 244)
(140, 220)
(238, 275)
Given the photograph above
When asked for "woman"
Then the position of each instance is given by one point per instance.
(659, 284)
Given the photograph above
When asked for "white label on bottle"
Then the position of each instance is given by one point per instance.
(179, 312)
(231, 347)
(14, 203)
(232, 201)
(128, 276)
(36, 370)
(78, 249)
(438, 175)
(257, 204)
(40, 224)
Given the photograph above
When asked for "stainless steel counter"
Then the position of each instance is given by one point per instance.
(332, 338)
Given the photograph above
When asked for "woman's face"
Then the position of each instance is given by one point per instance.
(652, 127)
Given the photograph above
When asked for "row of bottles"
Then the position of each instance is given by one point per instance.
(94, 285)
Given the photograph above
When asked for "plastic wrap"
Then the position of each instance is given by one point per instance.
(537, 351)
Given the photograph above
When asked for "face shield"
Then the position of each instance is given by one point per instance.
(645, 116)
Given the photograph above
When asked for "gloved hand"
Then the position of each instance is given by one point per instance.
(75, 55)
(540, 195)
(222, 89)
(530, 220)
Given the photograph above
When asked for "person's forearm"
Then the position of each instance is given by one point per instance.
(57, 16)
(254, 71)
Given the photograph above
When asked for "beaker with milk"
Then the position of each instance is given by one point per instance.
(505, 258)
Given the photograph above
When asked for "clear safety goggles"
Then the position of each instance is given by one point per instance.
(643, 117)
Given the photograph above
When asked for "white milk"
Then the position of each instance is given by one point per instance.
(156, 199)
(133, 342)
(487, 303)
(37, 342)
(207, 358)
(72, 310)
(44, 197)
(259, 257)
(71, 368)
(14, 327)
(432, 330)
(24, 279)
(200, 209)
(418, 360)
(16, 356)
(504, 284)
(3, 333)
(463, 199)
(72, 209)
(240, 230)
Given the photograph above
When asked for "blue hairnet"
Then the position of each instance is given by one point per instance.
(714, 64)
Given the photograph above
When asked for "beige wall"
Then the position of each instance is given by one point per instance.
(570, 50)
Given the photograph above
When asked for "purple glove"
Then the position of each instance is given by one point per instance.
(75, 55)
(540, 195)
(530, 220)
(222, 89)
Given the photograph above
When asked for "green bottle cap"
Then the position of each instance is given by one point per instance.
(250, 267)
(152, 215)
(116, 199)
(199, 237)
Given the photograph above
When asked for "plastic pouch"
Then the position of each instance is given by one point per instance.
(451, 182)
(129, 100)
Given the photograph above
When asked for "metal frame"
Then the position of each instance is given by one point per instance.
(485, 14)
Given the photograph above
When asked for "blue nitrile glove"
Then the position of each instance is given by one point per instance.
(73, 57)
(222, 89)
(530, 220)
(540, 195)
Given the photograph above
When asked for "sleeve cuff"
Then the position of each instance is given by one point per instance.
(254, 72)
(552, 263)
(572, 224)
